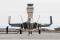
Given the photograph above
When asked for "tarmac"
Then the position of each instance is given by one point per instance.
(33, 36)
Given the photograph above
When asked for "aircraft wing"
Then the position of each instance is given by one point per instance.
(46, 25)
(13, 24)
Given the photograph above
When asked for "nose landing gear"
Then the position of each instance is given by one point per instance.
(30, 32)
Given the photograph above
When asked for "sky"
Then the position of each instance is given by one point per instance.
(17, 9)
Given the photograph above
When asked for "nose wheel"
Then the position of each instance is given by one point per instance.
(30, 32)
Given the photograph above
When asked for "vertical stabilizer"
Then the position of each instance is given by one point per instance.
(50, 19)
(9, 19)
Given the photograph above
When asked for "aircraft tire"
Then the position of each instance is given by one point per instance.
(20, 31)
(39, 31)
(31, 32)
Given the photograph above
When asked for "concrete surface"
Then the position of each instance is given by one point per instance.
(34, 36)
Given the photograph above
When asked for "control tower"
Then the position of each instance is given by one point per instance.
(30, 11)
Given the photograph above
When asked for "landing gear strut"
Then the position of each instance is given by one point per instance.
(7, 30)
(20, 31)
(30, 32)
(39, 31)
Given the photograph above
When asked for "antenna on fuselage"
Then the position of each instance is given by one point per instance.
(21, 19)
(38, 18)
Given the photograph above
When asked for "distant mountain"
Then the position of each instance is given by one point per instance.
(57, 29)
(10, 29)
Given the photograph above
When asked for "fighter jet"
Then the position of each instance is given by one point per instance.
(28, 25)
